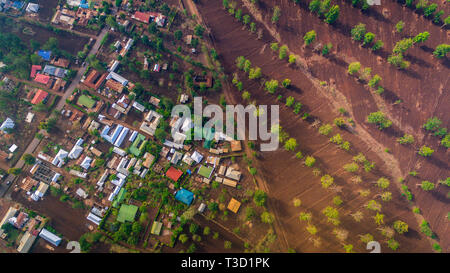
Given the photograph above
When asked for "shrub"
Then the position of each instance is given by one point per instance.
(354, 67)
(290, 144)
(358, 32)
(425, 151)
(310, 161)
(309, 37)
(325, 129)
(441, 50)
(379, 118)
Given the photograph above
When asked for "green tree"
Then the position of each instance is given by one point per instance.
(290, 144)
(425, 151)
(290, 101)
(432, 124)
(325, 129)
(28, 159)
(400, 226)
(314, 6)
(327, 180)
(380, 119)
(326, 48)
(283, 52)
(353, 67)
(260, 198)
(332, 15)
(377, 45)
(358, 32)
(309, 37)
(271, 86)
(310, 161)
(178, 34)
(369, 37)
(399, 26)
(286, 83)
(421, 37)
(441, 50)
(276, 14)
(254, 73)
(267, 217)
(406, 139)
(383, 182)
(403, 45)
(427, 186)
(199, 30)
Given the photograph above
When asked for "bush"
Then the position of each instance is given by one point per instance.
(260, 198)
(310, 161)
(267, 217)
(353, 68)
(379, 118)
(425, 151)
(358, 32)
(441, 50)
(325, 129)
(309, 37)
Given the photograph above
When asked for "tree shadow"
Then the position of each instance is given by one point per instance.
(417, 61)
(411, 73)
(376, 15)
(344, 29)
(389, 96)
(426, 48)
(446, 63)
(382, 53)
(334, 59)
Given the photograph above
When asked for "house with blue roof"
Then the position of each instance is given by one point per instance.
(45, 54)
(113, 137)
(184, 196)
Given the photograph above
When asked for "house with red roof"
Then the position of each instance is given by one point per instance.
(39, 97)
(41, 78)
(143, 17)
(174, 174)
(34, 70)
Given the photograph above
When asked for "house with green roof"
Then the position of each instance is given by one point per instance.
(86, 101)
(138, 145)
(119, 198)
(127, 213)
(205, 171)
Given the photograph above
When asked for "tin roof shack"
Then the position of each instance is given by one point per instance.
(150, 123)
(234, 205)
(50, 237)
(26, 242)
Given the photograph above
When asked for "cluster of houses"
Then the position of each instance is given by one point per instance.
(13, 7)
(53, 73)
(30, 228)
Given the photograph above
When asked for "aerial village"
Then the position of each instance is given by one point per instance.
(102, 159)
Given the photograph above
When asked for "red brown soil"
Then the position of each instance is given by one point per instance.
(66, 41)
(71, 223)
(288, 178)
(46, 9)
(423, 88)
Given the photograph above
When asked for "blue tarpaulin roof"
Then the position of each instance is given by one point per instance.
(45, 54)
(184, 196)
